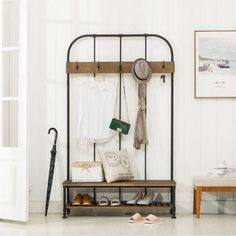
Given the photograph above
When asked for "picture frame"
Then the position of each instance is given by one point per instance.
(215, 64)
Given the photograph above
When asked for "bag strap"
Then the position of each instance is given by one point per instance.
(126, 103)
(117, 96)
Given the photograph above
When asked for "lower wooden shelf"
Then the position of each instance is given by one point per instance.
(169, 206)
(123, 206)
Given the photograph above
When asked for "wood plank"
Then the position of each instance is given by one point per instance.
(127, 207)
(113, 67)
(219, 189)
(135, 183)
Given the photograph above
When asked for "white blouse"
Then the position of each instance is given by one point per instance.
(96, 109)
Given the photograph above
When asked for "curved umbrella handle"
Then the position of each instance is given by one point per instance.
(55, 130)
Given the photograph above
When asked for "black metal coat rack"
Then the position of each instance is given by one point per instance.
(115, 67)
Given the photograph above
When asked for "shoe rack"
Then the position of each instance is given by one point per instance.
(116, 67)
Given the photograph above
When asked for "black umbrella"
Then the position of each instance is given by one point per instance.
(51, 170)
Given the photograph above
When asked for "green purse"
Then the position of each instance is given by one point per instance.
(117, 124)
(120, 126)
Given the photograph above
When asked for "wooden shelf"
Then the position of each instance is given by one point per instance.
(114, 67)
(133, 184)
(127, 207)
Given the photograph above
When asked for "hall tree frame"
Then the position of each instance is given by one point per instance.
(117, 67)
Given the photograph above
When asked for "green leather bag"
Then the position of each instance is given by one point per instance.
(117, 124)
(120, 126)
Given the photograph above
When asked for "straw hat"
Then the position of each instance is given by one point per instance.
(141, 71)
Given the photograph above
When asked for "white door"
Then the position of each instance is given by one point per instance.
(13, 78)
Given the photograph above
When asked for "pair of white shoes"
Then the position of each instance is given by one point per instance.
(139, 200)
(104, 201)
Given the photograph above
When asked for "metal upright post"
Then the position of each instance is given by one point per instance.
(145, 147)
(120, 81)
(66, 199)
(94, 145)
(94, 59)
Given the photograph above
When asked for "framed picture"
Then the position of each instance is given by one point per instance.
(215, 64)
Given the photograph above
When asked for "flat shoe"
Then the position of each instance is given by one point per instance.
(103, 201)
(77, 200)
(136, 218)
(151, 219)
(115, 201)
(86, 200)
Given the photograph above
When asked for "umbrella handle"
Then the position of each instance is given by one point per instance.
(55, 140)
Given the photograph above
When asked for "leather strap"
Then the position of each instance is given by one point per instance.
(125, 98)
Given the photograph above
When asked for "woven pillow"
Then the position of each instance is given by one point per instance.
(116, 165)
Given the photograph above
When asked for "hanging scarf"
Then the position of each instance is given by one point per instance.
(142, 73)
(140, 133)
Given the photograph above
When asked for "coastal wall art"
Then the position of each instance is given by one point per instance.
(215, 64)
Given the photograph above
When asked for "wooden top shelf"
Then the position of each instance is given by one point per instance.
(134, 183)
(114, 67)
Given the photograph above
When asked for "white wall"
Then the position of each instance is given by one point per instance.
(205, 130)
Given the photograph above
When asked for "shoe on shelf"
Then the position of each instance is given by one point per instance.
(148, 199)
(103, 201)
(86, 200)
(115, 201)
(158, 198)
(77, 200)
(135, 199)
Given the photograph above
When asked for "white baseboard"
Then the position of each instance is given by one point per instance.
(227, 207)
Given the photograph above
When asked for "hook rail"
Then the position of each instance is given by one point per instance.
(114, 67)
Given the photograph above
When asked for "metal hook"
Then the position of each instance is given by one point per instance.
(163, 66)
(98, 67)
(120, 69)
(55, 130)
(163, 71)
(77, 65)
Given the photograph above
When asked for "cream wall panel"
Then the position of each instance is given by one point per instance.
(191, 107)
(177, 31)
(208, 106)
(224, 107)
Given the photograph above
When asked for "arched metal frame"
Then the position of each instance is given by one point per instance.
(121, 36)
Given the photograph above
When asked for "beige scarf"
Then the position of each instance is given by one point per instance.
(142, 73)
(140, 133)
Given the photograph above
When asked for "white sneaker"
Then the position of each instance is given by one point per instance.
(134, 200)
(148, 199)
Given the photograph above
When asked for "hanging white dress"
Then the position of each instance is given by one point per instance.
(96, 109)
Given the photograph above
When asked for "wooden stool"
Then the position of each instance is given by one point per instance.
(210, 184)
